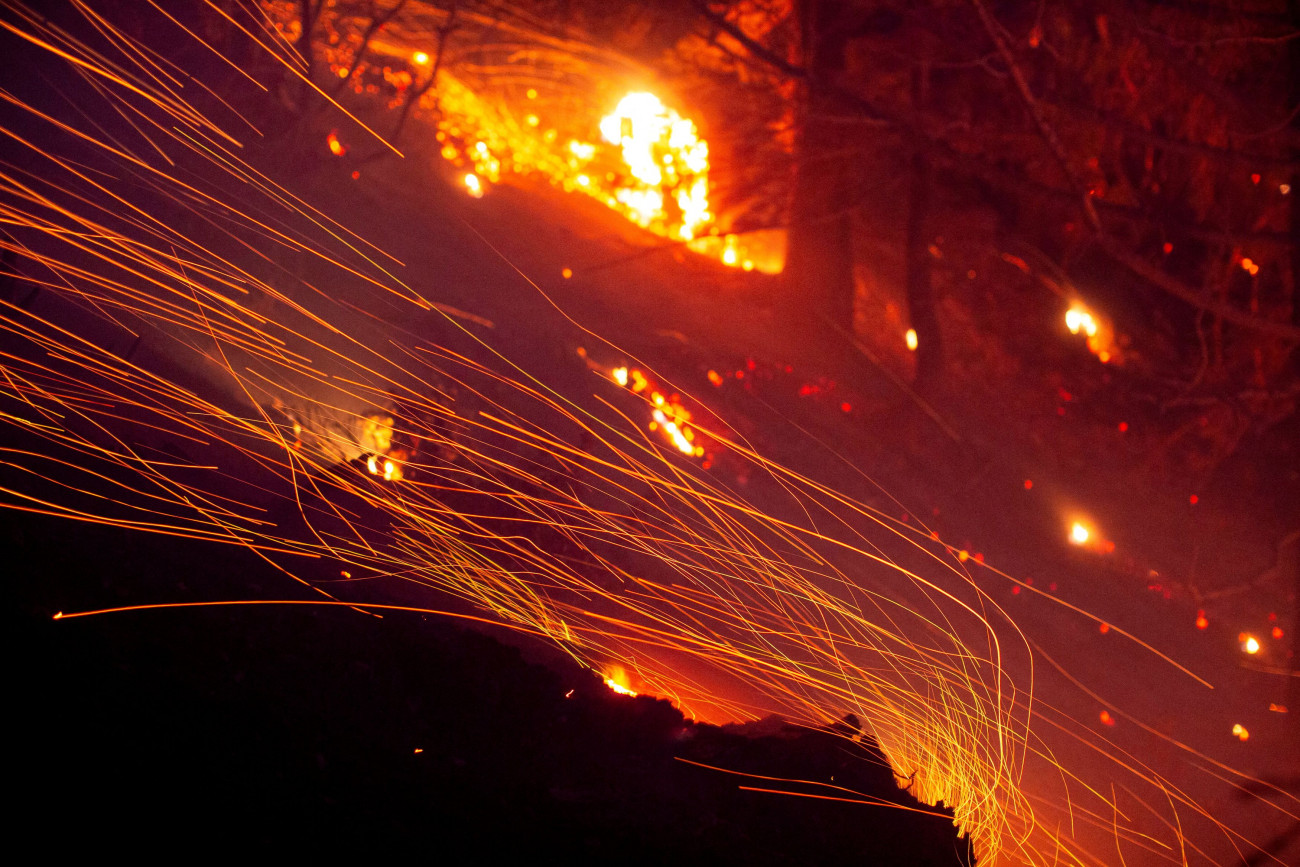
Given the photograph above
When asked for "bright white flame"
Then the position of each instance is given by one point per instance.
(911, 339)
(663, 152)
(474, 185)
(1079, 534)
(618, 687)
(1250, 644)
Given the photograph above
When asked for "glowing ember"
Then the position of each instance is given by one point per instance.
(910, 337)
(1079, 320)
(1201, 621)
(420, 58)
(336, 147)
(1107, 719)
(1098, 331)
(1249, 643)
(669, 417)
(474, 185)
(1079, 534)
(1239, 732)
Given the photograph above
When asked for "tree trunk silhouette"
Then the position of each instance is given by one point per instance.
(818, 276)
(921, 301)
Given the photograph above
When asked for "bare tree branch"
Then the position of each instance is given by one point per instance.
(759, 50)
(1158, 278)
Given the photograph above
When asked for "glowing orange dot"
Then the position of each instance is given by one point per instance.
(1079, 534)
(566, 273)
(419, 750)
(1201, 621)
(1249, 643)
(1106, 718)
(1239, 732)
(1103, 628)
(963, 556)
(1277, 632)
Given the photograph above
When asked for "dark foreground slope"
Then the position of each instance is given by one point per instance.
(304, 730)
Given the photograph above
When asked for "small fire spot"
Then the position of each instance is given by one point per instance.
(1106, 718)
(1103, 628)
